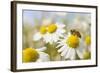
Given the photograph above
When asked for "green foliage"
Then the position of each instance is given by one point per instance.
(52, 51)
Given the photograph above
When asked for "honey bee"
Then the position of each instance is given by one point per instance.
(75, 32)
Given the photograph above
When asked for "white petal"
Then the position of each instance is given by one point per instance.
(59, 45)
(60, 31)
(50, 38)
(43, 57)
(55, 37)
(46, 39)
(80, 54)
(68, 53)
(62, 49)
(41, 49)
(80, 49)
(64, 52)
(60, 25)
(73, 54)
(37, 36)
(60, 41)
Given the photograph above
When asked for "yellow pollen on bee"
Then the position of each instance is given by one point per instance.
(29, 55)
(51, 28)
(73, 41)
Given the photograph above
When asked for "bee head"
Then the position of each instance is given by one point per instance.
(75, 32)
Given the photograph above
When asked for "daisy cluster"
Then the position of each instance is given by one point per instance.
(71, 44)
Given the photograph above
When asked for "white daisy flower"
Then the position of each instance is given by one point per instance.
(71, 45)
(34, 55)
(50, 33)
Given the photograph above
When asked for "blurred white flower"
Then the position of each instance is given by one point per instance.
(61, 13)
(50, 33)
(71, 45)
(88, 18)
(47, 21)
(43, 57)
(82, 23)
(35, 55)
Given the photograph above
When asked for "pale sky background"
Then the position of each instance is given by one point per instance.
(29, 16)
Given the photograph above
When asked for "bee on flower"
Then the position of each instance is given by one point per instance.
(72, 45)
(34, 55)
(50, 33)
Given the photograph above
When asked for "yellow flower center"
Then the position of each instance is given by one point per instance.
(43, 29)
(73, 41)
(88, 40)
(51, 28)
(86, 55)
(29, 55)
